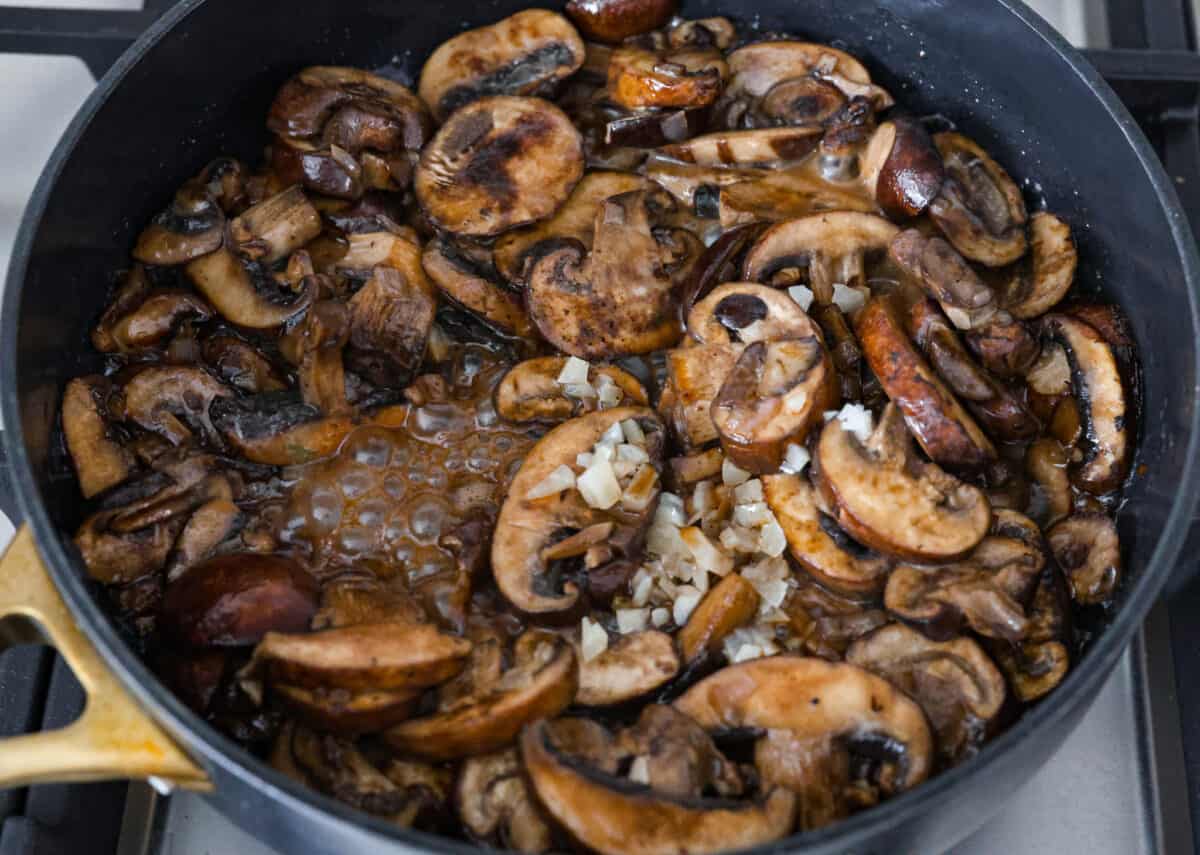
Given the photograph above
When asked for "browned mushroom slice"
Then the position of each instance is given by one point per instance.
(888, 499)
(746, 148)
(1046, 463)
(1039, 662)
(540, 684)
(366, 657)
(1086, 548)
(329, 170)
(234, 600)
(576, 219)
(1005, 346)
(745, 313)
(675, 757)
(818, 544)
(831, 248)
(243, 292)
(315, 345)
(955, 682)
(469, 282)
(498, 163)
(119, 558)
(693, 468)
(524, 54)
(390, 319)
(171, 401)
(693, 184)
(979, 209)
(774, 395)
(527, 525)
(938, 421)
(786, 194)
(997, 408)
(532, 391)
(632, 667)
(494, 803)
(1097, 383)
(945, 276)
(731, 603)
(694, 377)
(617, 299)
(640, 79)
(100, 461)
(209, 527)
(191, 227)
(242, 366)
(342, 712)
(1037, 285)
(843, 348)
(613, 21)
(277, 227)
(611, 815)
(148, 322)
(902, 168)
(827, 623)
(718, 33)
(814, 712)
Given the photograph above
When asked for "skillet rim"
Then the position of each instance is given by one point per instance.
(213, 750)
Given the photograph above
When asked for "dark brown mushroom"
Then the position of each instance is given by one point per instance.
(173, 401)
(1040, 661)
(390, 318)
(786, 194)
(242, 365)
(211, 524)
(826, 623)
(100, 460)
(693, 468)
(743, 313)
(844, 349)
(244, 292)
(1046, 463)
(315, 346)
(640, 79)
(613, 21)
(128, 326)
(191, 227)
(495, 803)
(1086, 547)
(731, 603)
(694, 378)
(676, 757)
(1037, 286)
(498, 163)
(531, 391)
(946, 277)
(885, 497)
(979, 208)
(902, 168)
(1005, 346)
(632, 667)
(718, 33)
(342, 712)
(467, 280)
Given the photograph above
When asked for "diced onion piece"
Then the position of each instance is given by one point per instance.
(593, 640)
(796, 458)
(603, 451)
(829, 415)
(632, 620)
(706, 554)
(670, 507)
(752, 515)
(598, 485)
(685, 604)
(857, 419)
(746, 652)
(574, 371)
(633, 432)
(733, 474)
(660, 616)
(848, 299)
(704, 499)
(640, 492)
(735, 538)
(748, 492)
(632, 453)
(643, 584)
(609, 392)
(579, 390)
(613, 436)
(802, 295)
(771, 539)
(663, 539)
(1051, 374)
(560, 479)
(584, 459)
(639, 771)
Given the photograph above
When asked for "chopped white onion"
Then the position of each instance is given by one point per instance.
(574, 371)
(663, 539)
(829, 415)
(579, 390)
(732, 474)
(748, 492)
(771, 539)
(603, 451)
(599, 486)
(613, 436)
(633, 432)
(632, 620)
(685, 604)
(632, 453)
(623, 469)
(796, 458)
(670, 507)
(643, 584)
(704, 499)
(746, 652)
(802, 295)
(707, 556)
(848, 299)
(560, 479)
(593, 640)
(735, 538)
(610, 393)
(640, 492)
(857, 419)
(639, 771)
(584, 459)
(660, 616)
(752, 515)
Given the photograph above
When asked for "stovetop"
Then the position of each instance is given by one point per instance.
(1126, 782)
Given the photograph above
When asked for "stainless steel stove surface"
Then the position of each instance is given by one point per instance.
(1118, 785)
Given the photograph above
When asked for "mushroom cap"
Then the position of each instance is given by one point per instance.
(944, 275)
(495, 802)
(242, 292)
(635, 665)
(526, 526)
(100, 461)
(1051, 271)
(820, 239)
(641, 79)
(530, 391)
(613, 21)
(1087, 549)
(902, 168)
(888, 499)
(498, 163)
(739, 313)
(166, 399)
(523, 54)
(614, 816)
(469, 284)
(342, 712)
(756, 68)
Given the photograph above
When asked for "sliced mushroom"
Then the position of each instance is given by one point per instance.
(389, 318)
(955, 682)
(746, 148)
(524, 54)
(693, 468)
(844, 349)
(617, 299)
(121, 557)
(243, 292)
(342, 712)
(540, 684)
(890, 500)
(694, 378)
(172, 401)
(979, 208)
(498, 163)
(825, 623)
(694, 185)
(1005, 346)
(902, 168)
(1039, 662)
(1037, 286)
(100, 461)
(1046, 463)
(718, 33)
(495, 803)
(945, 431)
(719, 263)
(1098, 389)
(616, 817)
(366, 657)
(211, 524)
(191, 227)
(787, 194)
(315, 345)
(676, 757)
(354, 600)
(731, 603)
(1086, 548)
(944, 275)
(526, 526)
(613, 21)
(469, 282)
(531, 391)
(576, 219)
(774, 395)
(831, 248)
(746, 313)
(632, 667)
(275, 228)
(815, 712)
(816, 542)
(146, 324)
(641, 79)
(242, 366)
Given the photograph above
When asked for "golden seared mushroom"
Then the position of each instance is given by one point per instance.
(773, 396)
(557, 388)
(343, 131)
(1097, 384)
(540, 684)
(134, 323)
(815, 715)
(1038, 663)
(525, 54)
(613, 815)
(933, 414)
(944, 275)
(693, 468)
(979, 208)
(100, 460)
(902, 168)
(276, 227)
(576, 219)
(957, 685)
(673, 755)
(746, 148)
(641, 79)
(816, 542)
(354, 600)
(630, 668)
(174, 401)
(1038, 284)
(390, 318)
(244, 292)
(613, 21)
(1005, 346)
(1088, 551)
(548, 503)
(731, 603)
(498, 163)
(495, 804)
(718, 33)
(832, 249)
(242, 365)
(467, 280)
(1001, 411)
(617, 299)
(889, 499)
